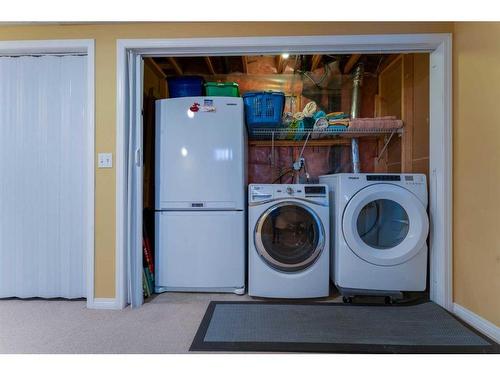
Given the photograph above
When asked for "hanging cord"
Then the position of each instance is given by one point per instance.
(300, 162)
(304, 145)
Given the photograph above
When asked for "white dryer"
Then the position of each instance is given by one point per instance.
(288, 252)
(380, 225)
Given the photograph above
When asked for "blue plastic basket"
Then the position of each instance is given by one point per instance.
(185, 86)
(263, 109)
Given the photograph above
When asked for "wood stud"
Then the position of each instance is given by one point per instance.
(280, 64)
(407, 114)
(351, 62)
(210, 66)
(316, 59)
(175, 65)
(154, 65)
(244, 61)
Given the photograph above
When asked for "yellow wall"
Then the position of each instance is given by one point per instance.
(476, 134)
(105, 59)
(476, 169)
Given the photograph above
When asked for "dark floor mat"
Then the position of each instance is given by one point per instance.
(335, 327)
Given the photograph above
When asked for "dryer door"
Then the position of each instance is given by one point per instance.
(385, 224)
(289, 236)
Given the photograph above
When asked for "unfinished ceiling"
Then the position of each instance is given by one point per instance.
(256, 65)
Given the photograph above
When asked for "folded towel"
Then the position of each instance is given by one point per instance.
(320, 125)
(376, 123)
(337, 127)
(337, 116)
(344, 122)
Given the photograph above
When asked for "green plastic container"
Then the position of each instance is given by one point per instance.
(221, 89)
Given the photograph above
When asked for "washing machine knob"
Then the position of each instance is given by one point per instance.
(289, 190)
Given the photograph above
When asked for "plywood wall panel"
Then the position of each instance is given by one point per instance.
(421, 166)
(389, 102)
(420, 147)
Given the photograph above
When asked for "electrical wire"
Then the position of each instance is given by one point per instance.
(304, 146)
(288, 170)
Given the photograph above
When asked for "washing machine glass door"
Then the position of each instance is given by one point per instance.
(385, 224)
(289, 236)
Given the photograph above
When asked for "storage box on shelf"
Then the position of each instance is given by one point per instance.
(263, 110)
(221, 89)
(183, 86)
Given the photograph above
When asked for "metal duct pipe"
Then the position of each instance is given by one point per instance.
(357, 82)
(355, 156)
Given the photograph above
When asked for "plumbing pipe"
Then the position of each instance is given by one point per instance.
(357, 82)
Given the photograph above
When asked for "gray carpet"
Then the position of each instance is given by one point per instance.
(165, 324)
(424, 327)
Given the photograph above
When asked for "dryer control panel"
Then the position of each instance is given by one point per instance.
(405, 178)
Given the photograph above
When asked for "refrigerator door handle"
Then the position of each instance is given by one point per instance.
(138, 157)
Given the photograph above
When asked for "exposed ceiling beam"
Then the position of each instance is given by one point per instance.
(225, 64)
(210, 66)
(244, 60)
(280, 64)
(154, 65)
(316, 59)
(388, 60)
(351, 62)
(175, 65)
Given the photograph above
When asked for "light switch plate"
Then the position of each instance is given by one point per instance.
(105, 160)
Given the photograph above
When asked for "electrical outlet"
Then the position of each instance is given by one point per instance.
(105, 160)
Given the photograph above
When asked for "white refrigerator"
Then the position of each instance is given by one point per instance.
(200, 183)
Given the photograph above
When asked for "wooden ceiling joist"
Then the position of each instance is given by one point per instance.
(175, 65)
(351, 62)
(244, 62)
(316, 59)
(388, 60)
(156, 68)
(210, 66)
(280, 64)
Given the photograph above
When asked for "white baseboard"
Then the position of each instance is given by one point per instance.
(104, 304)
(482, 325)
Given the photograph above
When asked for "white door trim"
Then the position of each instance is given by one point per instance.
(439, 47)
(484, 326)
(84, 46)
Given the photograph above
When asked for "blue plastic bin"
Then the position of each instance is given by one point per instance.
(263, 109)
(185, 86)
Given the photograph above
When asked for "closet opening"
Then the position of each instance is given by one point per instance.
(338, 110)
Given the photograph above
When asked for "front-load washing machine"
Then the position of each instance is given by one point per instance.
(288, 252)
(380, 225)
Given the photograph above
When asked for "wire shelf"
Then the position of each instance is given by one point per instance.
(293, 134)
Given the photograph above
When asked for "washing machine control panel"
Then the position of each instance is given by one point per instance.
(267, 192)
(406, 179)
